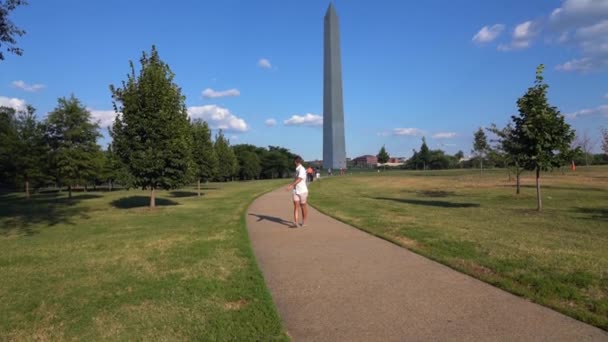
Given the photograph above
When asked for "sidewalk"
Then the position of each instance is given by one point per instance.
(332, 282)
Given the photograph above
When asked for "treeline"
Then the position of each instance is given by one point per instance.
(154, 143)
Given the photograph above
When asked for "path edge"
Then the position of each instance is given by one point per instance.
(243, 225)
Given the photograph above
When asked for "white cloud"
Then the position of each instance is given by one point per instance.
(583, 64)
(444, 135)
(104, 117)
(575, 12)
(598, 111)
(218, 118)
(412, 132)
(32, 88)
(582, 24)
(488, 33)
(264, 63)
(213, 94)
(523, 34)
(306, 120)
(606, 96)
(270, 122)
(16, 104)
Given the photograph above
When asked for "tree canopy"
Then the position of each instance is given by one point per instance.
(540, 132)
(8, 30)
(151, 133)
(72, 138)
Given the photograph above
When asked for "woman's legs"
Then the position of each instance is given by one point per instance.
(296, 209)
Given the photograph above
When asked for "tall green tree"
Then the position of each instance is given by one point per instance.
(30, 150)
(203, 153)
(8, 147)
(480, 145)
(424, 155)
(541, 131)
(275, 164)
(249, 165)
(151, 133)
(383, 156)
(112, 167)
(227, 162)
(8, 30)
(72, 137)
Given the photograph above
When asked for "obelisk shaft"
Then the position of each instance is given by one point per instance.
(334, 149)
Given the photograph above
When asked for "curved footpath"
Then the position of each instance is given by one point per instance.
(332, 282)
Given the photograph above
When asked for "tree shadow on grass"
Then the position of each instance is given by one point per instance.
(442, 204)
(140, 201)
(432, 193)
(20, 216)
(273, 219)
(182, 194)
(594, 213)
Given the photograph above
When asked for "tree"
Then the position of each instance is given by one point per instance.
(480, 145)
(383, 156)
(424, 155)
(225, 156)
(541, 131)
(586, 144)
(605, 140)
(275, 164)
(459, 156)
(203, 153)
(112, 167)
(513, 153)
(8, 138)
(30, 149)
(8, 30)
(151, 133)
(72, 137)
(249, 165)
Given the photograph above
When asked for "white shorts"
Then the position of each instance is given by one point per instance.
(300, 197)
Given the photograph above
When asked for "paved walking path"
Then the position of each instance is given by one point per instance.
(332, 282)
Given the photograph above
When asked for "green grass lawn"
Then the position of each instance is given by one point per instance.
(104, 267)
(476, 224)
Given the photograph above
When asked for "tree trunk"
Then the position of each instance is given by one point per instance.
(509, 172)
(481, 169)
(109, 185)
(69, 191)
(538, 196)
(85, 188)
(199, 188)
(27, 188)
(153, 198)
(518, 174)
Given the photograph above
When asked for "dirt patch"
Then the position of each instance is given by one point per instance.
(164, 244)
(148, 321)
(407, 242)
(220, 266)
(474, 268)
(45, 328)
(238, 305)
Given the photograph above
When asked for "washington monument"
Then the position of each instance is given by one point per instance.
(334, 150)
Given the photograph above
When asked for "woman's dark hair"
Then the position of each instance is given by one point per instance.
(298, 160)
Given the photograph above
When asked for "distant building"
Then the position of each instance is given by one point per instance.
(365, 161)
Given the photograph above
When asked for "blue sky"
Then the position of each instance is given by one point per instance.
(411, 68)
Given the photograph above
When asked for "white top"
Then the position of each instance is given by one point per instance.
(301, 187)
